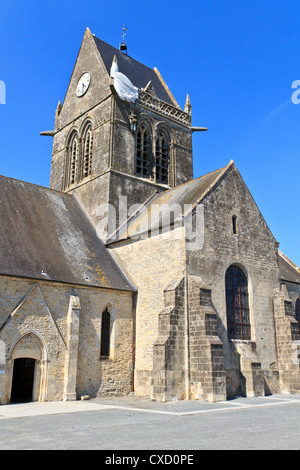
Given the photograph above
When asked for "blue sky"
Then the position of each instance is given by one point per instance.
(237, 59)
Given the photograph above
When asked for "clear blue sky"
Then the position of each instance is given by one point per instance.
(236, 58)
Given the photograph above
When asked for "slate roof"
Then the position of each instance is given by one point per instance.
(44, 234)
(138, 73)
(181, 198)
(288, 270)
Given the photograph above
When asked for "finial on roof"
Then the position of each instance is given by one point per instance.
(58, 109)
(188, 106)
(88, 32)
(123, 46)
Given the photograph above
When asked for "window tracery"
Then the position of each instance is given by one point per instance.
(237, 304)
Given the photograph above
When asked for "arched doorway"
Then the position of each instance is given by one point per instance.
(28, 366)
(23, 380)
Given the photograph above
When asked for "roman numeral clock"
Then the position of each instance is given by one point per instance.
(83, 84)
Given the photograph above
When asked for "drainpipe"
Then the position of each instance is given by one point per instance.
(134, 302)
(187, 340)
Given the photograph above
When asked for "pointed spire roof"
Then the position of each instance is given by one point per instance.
(139, 74)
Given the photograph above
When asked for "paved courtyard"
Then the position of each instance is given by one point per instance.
(134, 424)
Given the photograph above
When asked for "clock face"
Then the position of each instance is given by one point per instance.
(83, 84)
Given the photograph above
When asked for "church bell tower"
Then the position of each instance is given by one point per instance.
(119, 133)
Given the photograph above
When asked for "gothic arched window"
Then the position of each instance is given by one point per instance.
(105, 334)
(143, 151)
(162, 158)
(237, 304)
(87, 151)
(73, 149)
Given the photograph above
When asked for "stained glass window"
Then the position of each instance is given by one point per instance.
(237, 304)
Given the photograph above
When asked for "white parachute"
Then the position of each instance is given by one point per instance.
(123, 86)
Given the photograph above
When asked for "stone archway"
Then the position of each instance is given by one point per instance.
(28, 369)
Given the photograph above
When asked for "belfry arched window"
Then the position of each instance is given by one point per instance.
(162, 158)
(105, 334)
(87, 151)
(73, 150)
(237, 304)
(143, 151)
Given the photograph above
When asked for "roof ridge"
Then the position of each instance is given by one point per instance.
(222, 172)
(161, 198)
(166, 87)
(199, 177)
(36, 185)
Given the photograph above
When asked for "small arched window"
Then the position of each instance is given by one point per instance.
(237, 304)
(162, 158)
(87, 151)
(73, 150)
(143, 151)
(105, 334)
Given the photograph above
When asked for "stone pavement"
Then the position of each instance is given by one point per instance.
(142, 405)
(130, 423)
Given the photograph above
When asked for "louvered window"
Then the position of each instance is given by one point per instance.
(87, 152)
(143, 152)
(73, 149)
(162, 158)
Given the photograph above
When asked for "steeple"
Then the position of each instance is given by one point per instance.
(116, 133)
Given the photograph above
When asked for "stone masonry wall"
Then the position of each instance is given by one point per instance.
(207, 374)
(151, 264)
(188, 355)
(288, 341)
(112, 375)
(38, 311)
(170, 349)
(95, 105)
(255, 251)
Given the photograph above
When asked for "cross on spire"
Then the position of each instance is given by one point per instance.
(124, 33)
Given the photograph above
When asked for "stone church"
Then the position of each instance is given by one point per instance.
(128, 275)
